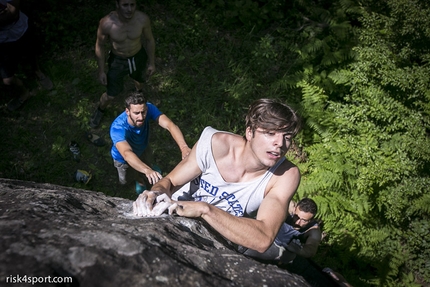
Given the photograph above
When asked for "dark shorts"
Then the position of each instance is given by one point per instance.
(10, 56)
(119, 67)
(8, 59)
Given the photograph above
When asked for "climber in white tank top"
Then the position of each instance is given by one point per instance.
(237, 198)
(246, 183)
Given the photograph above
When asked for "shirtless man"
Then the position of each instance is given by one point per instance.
(246, 182)
(124, 28)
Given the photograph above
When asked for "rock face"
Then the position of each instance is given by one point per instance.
(53, 233)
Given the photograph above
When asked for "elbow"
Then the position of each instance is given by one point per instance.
(264, 241)
(263, 245)
(127, 156)
(308, 253)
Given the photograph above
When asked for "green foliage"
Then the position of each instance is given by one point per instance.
(250, 13)
(369, 153)
(318, 42)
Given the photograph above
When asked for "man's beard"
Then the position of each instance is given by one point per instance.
(136, 123)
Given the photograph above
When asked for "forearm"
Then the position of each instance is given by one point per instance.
(100, 55)
(163, 186)
(246, 232)
(150, 50)
(310, 244)
(133, 161)
(178, 136)
(308, 250)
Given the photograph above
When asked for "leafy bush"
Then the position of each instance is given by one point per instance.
(368, 157)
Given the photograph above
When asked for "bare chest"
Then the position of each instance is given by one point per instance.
(125, 32)
(232, 172)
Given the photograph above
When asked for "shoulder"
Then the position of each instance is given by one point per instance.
(153, 111)
(119, 122)
(286, 171)
(225, 142)
(107, 21)
(151, 106)
(285, 181)
(142, 18)
(222, 136)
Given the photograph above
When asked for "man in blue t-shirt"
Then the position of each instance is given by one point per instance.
(130, 133)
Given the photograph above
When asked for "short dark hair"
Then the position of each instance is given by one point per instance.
(308, 205)
(272, 115)
(136, 98)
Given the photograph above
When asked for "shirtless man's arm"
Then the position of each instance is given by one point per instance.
(150, 44)
(102, 39)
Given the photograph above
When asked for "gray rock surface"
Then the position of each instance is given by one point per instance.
(50, 232)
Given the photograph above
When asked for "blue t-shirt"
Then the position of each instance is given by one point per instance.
(137, 137)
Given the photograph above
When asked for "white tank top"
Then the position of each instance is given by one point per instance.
(237, 198)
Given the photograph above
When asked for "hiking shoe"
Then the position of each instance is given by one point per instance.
(82, 176)
(74, 148)
(140, 188)
(95, 139)
(46, 83)
(157, 168)
(96, 118)
(15, 104)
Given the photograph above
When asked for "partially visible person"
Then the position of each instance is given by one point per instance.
(13, 25)
(32, 48)
(246, 182)
(301, 219)
(299, 235)
(17, 46)
(124, 28)
(130, 137)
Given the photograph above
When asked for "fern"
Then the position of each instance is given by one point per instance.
(368, 151)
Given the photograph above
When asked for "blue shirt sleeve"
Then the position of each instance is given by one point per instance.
(153, 112)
